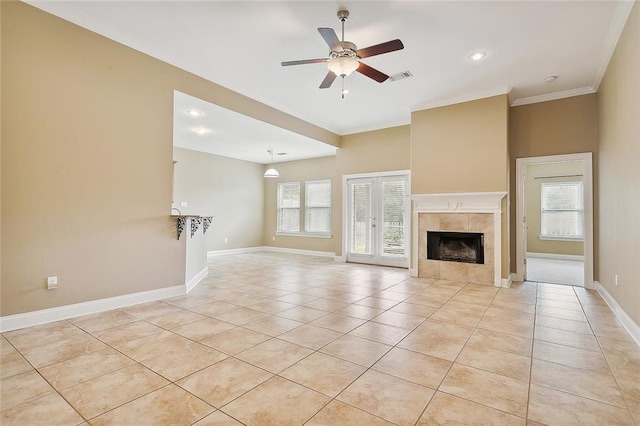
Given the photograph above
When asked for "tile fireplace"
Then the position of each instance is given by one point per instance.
(458, 237)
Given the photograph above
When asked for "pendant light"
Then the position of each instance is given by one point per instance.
(271, 172)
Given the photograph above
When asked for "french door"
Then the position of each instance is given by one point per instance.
(377, 220)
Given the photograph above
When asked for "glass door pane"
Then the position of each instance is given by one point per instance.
(361, 216)
(393, 214)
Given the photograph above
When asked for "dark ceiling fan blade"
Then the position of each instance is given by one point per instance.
(379, 49)
(330, 37)
(304, 61)
(328, 80)
(372, 73)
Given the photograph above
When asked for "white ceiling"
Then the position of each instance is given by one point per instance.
(240, 44)
(230, 134)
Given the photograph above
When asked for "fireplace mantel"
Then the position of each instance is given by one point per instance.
(462, 202)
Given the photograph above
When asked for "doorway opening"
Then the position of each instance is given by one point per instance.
(554, 206)
(376, 219)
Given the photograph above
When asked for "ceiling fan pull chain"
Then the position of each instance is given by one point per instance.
(343, 85)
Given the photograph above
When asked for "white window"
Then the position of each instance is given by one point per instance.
(317, 202)
(562, 211)
(289, 207)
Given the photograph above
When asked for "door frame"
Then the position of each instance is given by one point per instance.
(521, 236)
(345, 208)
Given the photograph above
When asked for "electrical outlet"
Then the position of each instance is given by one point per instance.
(274, 238)
(52, 282)
(183, 204)
(615, 279)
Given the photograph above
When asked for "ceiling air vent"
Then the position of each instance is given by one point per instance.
(400, 76)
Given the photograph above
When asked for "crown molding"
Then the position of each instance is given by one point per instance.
(553, 96)
(461, 99)
(511, 95)
(615, 31)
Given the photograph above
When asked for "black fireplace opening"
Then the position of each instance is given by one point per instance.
(466, 247)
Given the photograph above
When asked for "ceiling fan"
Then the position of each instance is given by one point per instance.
(345, 57)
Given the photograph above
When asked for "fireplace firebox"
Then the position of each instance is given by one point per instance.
(466, 247)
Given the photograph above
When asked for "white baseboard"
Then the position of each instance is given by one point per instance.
(215, 253)
(413, 272)
(556, 256)
(28, 319)
(340, 259)
(299, 251)
(625, 319)
(506, 282)
(196, 279)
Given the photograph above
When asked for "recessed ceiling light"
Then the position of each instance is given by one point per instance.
(201, 130)
(477, 56)
(193, 112)
(550, 79)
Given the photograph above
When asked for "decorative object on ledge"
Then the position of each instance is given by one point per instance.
(206, 221)
(182, 220)
(195, 224)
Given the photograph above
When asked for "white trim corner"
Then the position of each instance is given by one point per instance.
(506, 282)
(195, 280)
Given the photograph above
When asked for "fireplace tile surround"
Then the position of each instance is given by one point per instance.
(456, 271)
(460, 212)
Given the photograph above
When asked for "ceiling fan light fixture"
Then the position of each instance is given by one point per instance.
(343, 65)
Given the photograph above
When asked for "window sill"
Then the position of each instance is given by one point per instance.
(568, 239)
(303, 234)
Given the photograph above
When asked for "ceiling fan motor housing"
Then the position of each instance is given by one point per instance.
(349, 51)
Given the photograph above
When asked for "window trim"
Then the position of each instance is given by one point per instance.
(568, 238)
(278, 208)
(302, 210)
(306, 209)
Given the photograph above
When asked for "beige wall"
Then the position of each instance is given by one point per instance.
(463, 148)
(564, 126)
(460, 148)
(0, 163)
(229, 190)
(87, 162)
(298, 171)
(536, 175)
(368, 152)
(619, 175)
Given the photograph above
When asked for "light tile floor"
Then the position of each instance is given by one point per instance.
(272, 339)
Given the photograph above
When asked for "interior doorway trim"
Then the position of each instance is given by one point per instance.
(345, 207)
(521, 168)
